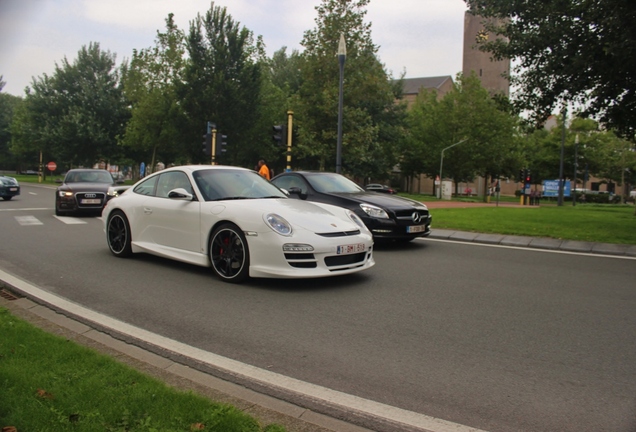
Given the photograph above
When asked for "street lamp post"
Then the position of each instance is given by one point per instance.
(342, 54)
(576, 167)
(441, 163)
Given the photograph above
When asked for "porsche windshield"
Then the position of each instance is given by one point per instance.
(229, 184)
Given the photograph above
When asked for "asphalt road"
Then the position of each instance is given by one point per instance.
(495, 338)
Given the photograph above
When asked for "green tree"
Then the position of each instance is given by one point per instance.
(373, 123)
(467, 112)
(568, 51)
(601, 153)
(284, 71)
(75, 115)
(8, 106)
(151, 82)
(222, 84)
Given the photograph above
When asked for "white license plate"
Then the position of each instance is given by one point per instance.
(415, 228)
(350, 249)
(91, 201)
(13, 189)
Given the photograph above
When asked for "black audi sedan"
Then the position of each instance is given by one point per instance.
(84, 190)
(9, 187)
(388, 217)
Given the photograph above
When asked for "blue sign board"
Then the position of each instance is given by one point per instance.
(551, 188)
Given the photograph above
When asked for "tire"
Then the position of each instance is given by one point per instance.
(58, 212)
(7, 198)
(229, 253)
(118, 235)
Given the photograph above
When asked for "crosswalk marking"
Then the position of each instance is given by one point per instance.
(24, 209)
(28, 220)
(32, 220)
(70, 220)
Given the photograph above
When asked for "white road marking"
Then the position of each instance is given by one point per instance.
(25, 209)
(28, 220)
(70, 220)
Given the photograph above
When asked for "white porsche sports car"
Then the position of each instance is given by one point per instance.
(238, 223)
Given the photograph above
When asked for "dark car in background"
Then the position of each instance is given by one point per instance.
(376, 187)
(388, 217)
(9, 187)
(85, 190)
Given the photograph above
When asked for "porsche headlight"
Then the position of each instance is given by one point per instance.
(278, 224)
(374, 211)
(354, 217)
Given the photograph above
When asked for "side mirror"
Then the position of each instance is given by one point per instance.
(180, 194)
(298, 192)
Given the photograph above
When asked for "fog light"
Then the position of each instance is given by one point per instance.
(295, 247)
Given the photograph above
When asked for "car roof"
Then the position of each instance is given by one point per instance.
(193, 168)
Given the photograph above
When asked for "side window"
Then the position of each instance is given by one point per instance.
(147, 187)
(172, 180)
(207, 182)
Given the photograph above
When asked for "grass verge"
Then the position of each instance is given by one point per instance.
(604, 223)
(52, 384)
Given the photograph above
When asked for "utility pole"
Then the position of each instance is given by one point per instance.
(290, 125)
(561, 180)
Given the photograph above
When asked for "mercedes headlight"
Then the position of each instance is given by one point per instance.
(374, 211)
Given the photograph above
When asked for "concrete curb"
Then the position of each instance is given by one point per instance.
(546, 243)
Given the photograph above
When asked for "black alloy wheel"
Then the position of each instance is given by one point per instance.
(118, 234)
(229, 254)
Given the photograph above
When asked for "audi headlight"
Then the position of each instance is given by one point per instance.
(278, 224)
(64, 194)
(374, 211)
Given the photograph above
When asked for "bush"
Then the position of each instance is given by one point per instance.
(598, 198)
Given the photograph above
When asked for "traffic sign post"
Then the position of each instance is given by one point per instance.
(51, 166)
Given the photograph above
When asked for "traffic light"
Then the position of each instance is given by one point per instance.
(221, 144)
(521, 176)
(279, 135)
(207, 144)
(528, 177)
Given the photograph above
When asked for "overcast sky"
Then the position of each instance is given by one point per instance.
(421, 37)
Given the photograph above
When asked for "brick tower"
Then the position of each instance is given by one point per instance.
(489, 72)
